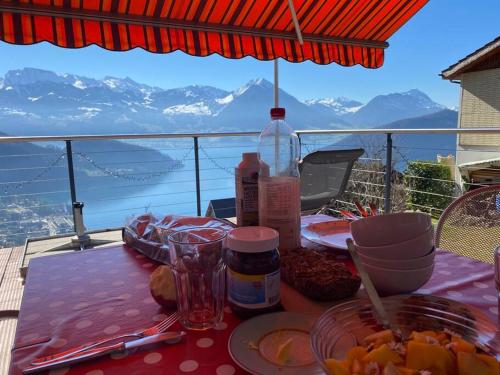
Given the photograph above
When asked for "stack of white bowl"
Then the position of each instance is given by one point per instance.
(397, 250)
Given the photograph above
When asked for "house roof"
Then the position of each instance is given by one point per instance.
(480, 163)
(472, 60)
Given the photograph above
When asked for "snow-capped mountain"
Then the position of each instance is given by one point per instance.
(250, 104)
(193, 100)
(29, 76)
(384, 109)
(340, 106)
(34, 101)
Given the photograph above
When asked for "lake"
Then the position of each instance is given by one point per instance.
(175, 193)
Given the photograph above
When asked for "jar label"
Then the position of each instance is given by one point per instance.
(253, 291)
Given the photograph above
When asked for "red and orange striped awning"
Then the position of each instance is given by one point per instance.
(347, 32)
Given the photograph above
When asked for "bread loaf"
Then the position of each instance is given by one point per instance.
(318, 275)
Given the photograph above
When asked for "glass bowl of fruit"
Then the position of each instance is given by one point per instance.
(438, 336)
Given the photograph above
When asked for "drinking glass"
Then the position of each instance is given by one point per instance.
(497, 277)
(197, 258)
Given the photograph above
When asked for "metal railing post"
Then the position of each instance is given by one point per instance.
(197, 171)
(388, 175)
(71, 175)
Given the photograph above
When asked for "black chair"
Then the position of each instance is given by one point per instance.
(324, 175)
(221, 208)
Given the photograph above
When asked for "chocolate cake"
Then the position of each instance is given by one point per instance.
(318, 275)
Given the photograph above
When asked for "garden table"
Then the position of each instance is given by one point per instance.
(74, 298)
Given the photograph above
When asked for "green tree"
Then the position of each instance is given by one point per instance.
(429, 186)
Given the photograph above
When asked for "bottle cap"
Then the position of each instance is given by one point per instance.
(277, 113)
(250, 156)
(252, 239)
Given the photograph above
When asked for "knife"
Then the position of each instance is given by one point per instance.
(167, 338)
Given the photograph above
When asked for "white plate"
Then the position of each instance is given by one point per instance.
(249, 333)
(328, 233)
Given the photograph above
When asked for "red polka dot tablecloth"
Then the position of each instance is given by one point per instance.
(71, 299)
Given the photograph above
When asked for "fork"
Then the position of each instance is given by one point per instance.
(159, 328)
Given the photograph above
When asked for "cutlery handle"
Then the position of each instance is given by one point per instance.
(370, 288)
(78, 349)
(91, 354)
(349, 215)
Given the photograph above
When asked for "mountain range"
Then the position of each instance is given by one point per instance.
(41, 102)
(34, 101)
(33, 168)
(409, 147)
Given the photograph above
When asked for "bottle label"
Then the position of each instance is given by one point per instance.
(250, 189)
(279, 208)
(253, 291)
(247, 199)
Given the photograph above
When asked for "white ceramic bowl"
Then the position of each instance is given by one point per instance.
(416, 247)
(388, 281)
(400, 264)
(389, 229)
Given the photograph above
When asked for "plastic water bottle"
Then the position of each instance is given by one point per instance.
(279, 180)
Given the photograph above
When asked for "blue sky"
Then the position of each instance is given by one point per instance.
(440, 34)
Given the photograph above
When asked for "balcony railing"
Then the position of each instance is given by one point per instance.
(185, 172)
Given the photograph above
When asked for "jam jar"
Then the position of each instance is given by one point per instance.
(253, 271)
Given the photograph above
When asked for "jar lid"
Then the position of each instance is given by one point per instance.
(252, 239)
